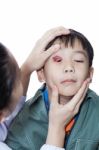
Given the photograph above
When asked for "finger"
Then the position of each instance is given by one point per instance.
(51, 50)
(54, 95)
(81, 100)
(75, 103)
(47, 38)
(79, 94)
(56, 31)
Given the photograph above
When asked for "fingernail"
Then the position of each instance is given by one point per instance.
(67, 31)
(89, 80)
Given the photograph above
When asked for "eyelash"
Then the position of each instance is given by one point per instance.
(79, 61)
(58, 60)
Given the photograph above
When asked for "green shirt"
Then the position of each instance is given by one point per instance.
(29, 129)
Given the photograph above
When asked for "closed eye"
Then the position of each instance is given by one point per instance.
(79, 61)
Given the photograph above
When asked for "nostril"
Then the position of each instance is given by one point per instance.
(68, 70)
(71, 70)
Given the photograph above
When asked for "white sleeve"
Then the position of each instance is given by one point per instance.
(3, 146)
(50, 147)
(15, 112)
(3, 132)
(5, 125)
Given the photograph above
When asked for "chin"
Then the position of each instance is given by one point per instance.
(69, 92)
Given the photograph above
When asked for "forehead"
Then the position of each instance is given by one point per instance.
(76, 48)
(75, 44)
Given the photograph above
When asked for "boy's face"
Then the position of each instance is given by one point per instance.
(67, 69)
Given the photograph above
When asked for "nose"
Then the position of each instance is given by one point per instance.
(69, 69)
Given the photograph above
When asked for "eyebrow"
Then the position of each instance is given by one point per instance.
(81, 52)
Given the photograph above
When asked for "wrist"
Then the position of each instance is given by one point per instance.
(26, 69)
(55, 136)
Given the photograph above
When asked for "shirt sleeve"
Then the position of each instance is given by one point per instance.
(50, 147)
(5, 125)
(15, 112)
(3, 146)
(3, 131)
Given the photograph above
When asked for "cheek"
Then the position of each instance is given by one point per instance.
(83, 73)
(49, 72)
(51, 76)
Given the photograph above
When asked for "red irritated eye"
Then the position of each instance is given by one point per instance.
(57, 58)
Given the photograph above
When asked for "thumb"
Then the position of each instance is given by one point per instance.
(54, 95)
(51, 50)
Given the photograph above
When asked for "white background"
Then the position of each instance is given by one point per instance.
(22, 22)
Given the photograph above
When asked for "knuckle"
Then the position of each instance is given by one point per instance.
(76, 111)
(70, 109)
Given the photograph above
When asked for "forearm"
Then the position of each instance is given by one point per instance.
(25, 77)
(55, 139)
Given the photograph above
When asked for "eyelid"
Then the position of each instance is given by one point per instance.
(81, 61)
(78, 60)
(79, 56)
(57, 58)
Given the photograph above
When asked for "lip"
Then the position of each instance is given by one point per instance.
(68, 81)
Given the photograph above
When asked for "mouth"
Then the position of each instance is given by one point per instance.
(68, 81)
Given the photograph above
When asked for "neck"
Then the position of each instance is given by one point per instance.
(64, 99)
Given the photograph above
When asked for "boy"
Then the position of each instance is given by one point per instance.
(67, 69)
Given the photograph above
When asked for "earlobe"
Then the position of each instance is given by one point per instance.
(40, 74)
(91, 71)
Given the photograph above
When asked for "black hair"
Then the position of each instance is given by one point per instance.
(7, 76)
(70, 39)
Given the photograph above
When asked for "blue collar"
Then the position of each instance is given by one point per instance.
(47, 102)
(46, 99)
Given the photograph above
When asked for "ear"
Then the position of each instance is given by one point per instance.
(40, 74)
(91, 71)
